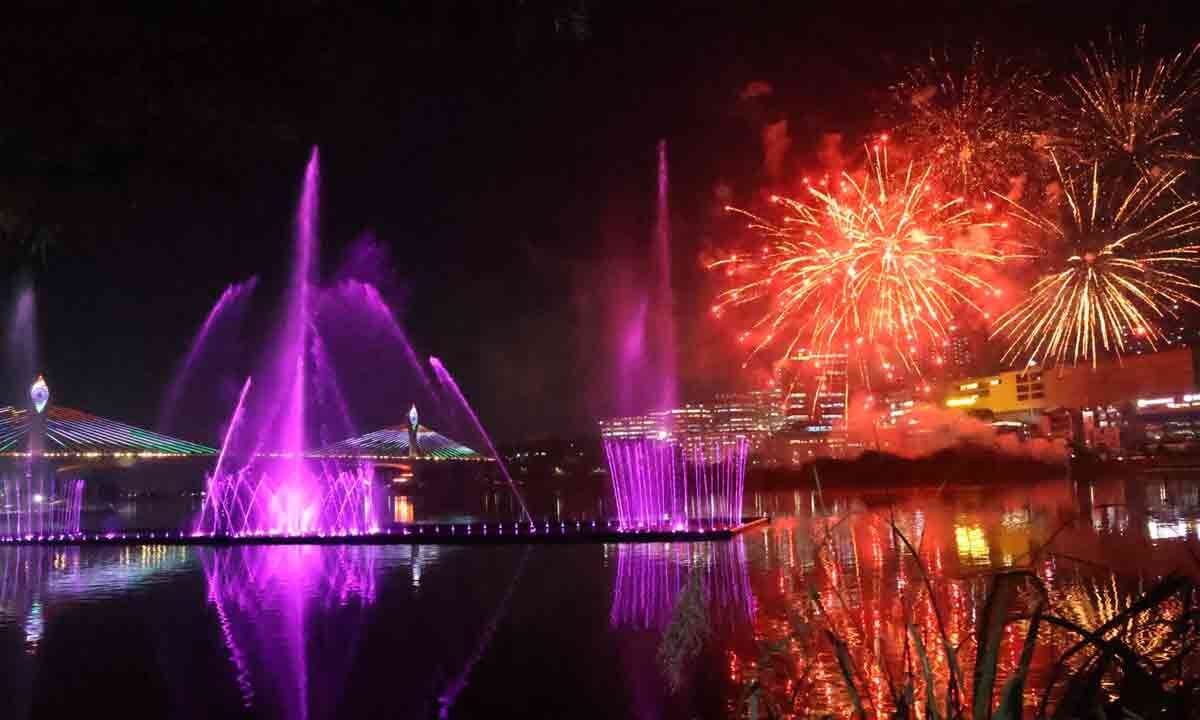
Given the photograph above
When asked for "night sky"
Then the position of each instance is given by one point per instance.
(502, 152)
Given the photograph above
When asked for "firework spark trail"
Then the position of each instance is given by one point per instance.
(880, 265)
(978, 116)
(1126, 269)
(1124, 108)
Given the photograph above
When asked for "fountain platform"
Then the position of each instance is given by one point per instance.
(512, 533)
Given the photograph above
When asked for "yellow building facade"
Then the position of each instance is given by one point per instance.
(1036, 389)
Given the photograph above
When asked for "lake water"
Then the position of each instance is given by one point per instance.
(569, 631)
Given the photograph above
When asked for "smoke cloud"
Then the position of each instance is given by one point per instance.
(928, 430)
(776, 143)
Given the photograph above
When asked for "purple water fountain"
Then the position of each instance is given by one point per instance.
(265, 481)
(447, 381)
(222, 319)
(35, 499)
(659, 483)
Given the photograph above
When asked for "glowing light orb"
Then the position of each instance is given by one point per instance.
(39, 392)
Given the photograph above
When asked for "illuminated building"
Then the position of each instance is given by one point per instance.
(960, 353)
(1168, 420)
(770, 407)
(689, 423)
(694, 425)
(802, 414)
(634, 427)
(738, 413)
(1102, 406)
(816, 391)
(807, 408)
(798, 411)
(755, 415)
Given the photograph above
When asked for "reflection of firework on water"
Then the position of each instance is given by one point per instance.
(866, 589)
(1123, 275)
(880, 263)
(977, 118)
(1127, 109)
(1150, 633)
(1156, 625)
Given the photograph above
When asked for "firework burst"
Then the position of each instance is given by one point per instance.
(977, 118)
(879, 265)
(1127, 269)
(1127, 111)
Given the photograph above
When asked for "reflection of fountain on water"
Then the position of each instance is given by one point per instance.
(273, 604)
(458, 683)
(651, 576)
(34, 579)
(659, 483)
(24, 574)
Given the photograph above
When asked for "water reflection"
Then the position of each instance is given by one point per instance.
(855, 564)
(458, 682)
(275, 603)
(33, 580)
(307, 632)
(651, 576)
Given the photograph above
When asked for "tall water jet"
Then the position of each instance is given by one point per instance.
(447, 381)
(664, 296)
(356, 330)
(295, 347)
(21, 342)
(632, 361)
(39, 503)
(641, 303)
(228, 309)
(264, 483)
(216, 495)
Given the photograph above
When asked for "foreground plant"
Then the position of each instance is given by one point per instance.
(1114, 657)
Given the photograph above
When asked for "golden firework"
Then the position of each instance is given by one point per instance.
(880, 263)
(1127, 111)
(980, 117)
(1127, 268)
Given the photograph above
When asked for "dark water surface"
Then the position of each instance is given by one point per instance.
(560, 631)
